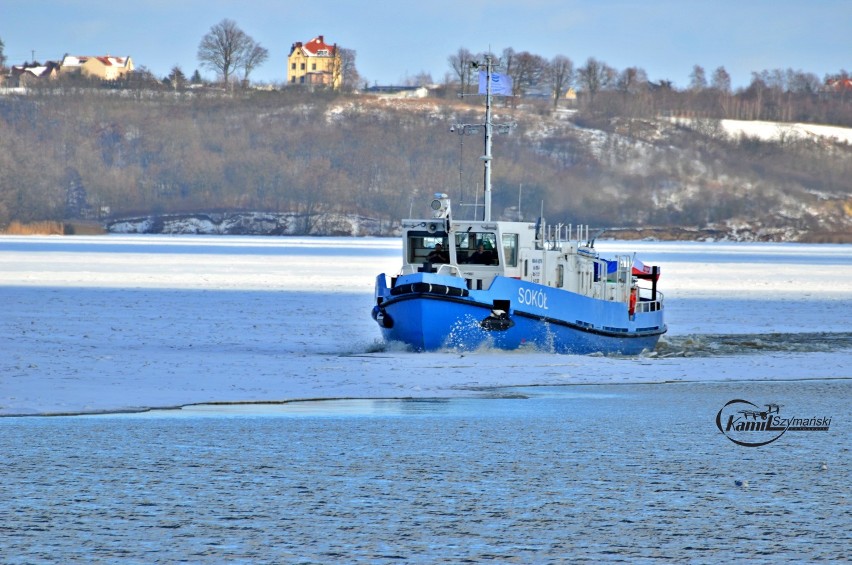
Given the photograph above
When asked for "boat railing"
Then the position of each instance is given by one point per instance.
(556, 236)
(649, 304)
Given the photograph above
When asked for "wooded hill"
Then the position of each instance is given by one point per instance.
(617, 162)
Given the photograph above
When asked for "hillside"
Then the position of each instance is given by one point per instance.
(356, 164)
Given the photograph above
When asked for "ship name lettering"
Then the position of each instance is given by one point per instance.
(532, 297)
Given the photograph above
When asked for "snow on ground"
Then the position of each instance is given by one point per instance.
(129, 322)
(775, 131)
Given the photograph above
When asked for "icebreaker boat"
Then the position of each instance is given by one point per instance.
(506, 285)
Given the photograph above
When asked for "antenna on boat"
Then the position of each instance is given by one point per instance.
(520, 188)
(488, 127)
(467, 129)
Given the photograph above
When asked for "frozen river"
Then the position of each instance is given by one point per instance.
(128, 322)
(523, 457)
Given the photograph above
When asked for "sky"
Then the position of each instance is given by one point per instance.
(398, 39)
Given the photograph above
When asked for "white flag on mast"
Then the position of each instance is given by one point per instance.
(501, 85)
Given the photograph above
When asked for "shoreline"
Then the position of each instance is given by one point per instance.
(202, 225)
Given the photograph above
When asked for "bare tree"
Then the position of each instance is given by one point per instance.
(226, 48)
(460, 64)
(594, 76)
(721, 81)
(256, 55)
(420, 79)
(2, 55)
(346, 73)
(508, 60)
(697, 78)
(802, 82)
(560, 76)
(528, 71)
(632, 83)
(632, 80)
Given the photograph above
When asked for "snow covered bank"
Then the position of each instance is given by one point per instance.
(250, 223)
(776, 131)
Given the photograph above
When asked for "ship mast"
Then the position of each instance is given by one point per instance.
(469, 129)
(488, 126)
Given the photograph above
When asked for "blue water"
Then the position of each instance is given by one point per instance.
(630, 473)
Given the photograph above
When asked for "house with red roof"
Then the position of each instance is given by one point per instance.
(106, 67)
(315, 63)
(839, 84)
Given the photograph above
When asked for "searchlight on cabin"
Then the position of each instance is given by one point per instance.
(441, 206)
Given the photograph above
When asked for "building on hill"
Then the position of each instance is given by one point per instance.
(315, 63)
(30, 73)
(839, 84)
(104, 67)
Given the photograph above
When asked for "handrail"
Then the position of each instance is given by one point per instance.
(648, 305)
(659, 295)
(454, 269)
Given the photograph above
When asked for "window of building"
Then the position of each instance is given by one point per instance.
(303, 67)
(313, 66)
(293, 66)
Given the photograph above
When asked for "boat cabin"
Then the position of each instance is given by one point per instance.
(476, 251)
(480, 251)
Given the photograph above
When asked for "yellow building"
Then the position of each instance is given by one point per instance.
(315, 63)
(104, 68)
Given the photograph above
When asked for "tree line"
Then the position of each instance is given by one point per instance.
(73, 149)
(777, 94)
(98, 154)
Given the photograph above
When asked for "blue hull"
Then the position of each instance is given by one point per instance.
(429, 312)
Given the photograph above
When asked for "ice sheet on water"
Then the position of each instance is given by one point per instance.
(91, 325)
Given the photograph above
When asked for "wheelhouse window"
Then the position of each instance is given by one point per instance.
(423, 247)
(477, 248)
(510, 249)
